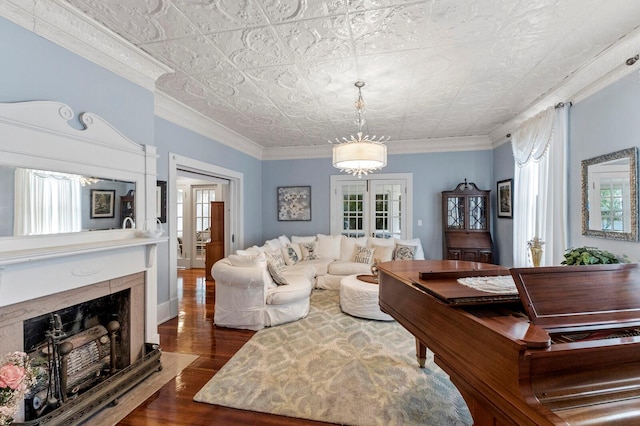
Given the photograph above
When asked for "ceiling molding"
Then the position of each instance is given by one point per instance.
(182, 115)
(64, 25)
(608, 67)
(469, 143)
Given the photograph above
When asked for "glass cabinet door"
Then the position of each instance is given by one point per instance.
(478, 212)
(455, 213)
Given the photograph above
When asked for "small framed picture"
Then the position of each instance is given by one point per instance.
(103, 203)
(294, 203)
(161, 201)
(505, 198)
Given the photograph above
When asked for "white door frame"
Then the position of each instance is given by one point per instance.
(235, 221)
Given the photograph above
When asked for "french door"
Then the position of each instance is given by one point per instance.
(193, 224)
(377, 207)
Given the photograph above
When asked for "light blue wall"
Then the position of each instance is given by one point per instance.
(607, 121)
(173, 138)
(34, 69)
(503, 168)
(432, 174)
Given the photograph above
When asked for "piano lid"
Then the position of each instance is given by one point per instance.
(579, 296)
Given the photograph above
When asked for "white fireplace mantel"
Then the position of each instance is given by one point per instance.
(38, 135)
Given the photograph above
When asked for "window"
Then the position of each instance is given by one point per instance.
(611, 192)
(47, 202)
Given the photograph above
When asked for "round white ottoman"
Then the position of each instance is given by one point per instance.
(360, 299)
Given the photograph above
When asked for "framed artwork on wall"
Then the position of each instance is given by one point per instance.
(505, 199)
(294, 203)
(103, 203)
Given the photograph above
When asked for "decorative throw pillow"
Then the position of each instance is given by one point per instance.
(383, 253)
(284, 240)
(292, 254)
(363, 255)
(309, 251)
(275, 258)
(348, 247)
(419, 255)
(306, 239)
(329, 246)
(276, 274)
(273, 245)
(403, 252)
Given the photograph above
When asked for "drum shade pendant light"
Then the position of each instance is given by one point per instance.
(360, 155)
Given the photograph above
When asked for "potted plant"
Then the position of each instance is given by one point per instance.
(591, 256)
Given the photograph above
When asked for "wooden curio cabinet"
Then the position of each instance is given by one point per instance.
(466, 224)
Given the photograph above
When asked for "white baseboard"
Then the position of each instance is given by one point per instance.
(164, 312)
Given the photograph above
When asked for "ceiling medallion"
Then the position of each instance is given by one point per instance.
(360, 155)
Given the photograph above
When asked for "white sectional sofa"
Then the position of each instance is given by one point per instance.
(269, 285)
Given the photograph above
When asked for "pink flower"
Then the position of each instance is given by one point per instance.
(11, 376)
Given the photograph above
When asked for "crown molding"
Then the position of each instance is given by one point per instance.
(606, 68)
(418, 146)
(180, 114)
(66, 26)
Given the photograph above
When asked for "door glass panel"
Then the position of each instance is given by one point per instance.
(370, 207)
(202, 199)
(180, 222)
(612, 204)
(388, 210)
(455, 212)
(477, 216)
(353, 209)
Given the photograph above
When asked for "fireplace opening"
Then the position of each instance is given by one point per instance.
(76, 348)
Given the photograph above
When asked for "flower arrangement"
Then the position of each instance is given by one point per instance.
(16, 377)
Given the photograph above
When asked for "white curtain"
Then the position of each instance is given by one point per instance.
(540, 193)
(46, 202)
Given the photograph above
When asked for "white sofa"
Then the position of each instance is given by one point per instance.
(247, 296)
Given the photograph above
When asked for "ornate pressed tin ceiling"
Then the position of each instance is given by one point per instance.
(281, 73)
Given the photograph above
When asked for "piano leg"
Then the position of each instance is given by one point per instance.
(421, 353)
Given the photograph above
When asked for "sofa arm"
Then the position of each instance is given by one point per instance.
(224, 273)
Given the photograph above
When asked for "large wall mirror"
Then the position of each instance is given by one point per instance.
(42, 202)
(610, 195)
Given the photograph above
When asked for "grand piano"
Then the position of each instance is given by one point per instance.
(562, 348)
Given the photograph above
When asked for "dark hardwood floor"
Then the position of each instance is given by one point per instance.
(193, 332)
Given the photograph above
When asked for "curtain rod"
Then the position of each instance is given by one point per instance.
(558, 105)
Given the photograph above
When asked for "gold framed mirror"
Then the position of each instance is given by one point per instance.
(610, 195)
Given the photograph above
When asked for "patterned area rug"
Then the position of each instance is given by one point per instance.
(335, 368)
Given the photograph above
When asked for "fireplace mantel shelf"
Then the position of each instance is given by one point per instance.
(31, 255)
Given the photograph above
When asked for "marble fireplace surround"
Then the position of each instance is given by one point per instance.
(40, 274)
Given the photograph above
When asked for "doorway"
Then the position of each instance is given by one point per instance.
(230, 182)
(193, 218)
